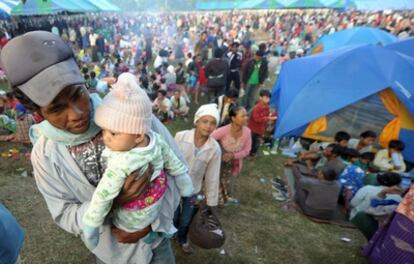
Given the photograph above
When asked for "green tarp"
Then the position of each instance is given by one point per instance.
(36, 7)
(42, 7)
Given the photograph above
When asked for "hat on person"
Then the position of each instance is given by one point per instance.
(41, 65)
(207, 109)
(126, 108)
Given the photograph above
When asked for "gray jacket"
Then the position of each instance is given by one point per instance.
(67, 193)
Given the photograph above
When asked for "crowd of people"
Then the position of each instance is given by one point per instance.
(100, 145)
(367, 184)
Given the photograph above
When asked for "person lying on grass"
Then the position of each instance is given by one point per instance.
(315, 152)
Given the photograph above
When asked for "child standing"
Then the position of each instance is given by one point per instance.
(125, 116)
(258, 120)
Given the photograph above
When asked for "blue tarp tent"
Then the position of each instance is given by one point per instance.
(358, 35)
(317, 86)
(405, 46)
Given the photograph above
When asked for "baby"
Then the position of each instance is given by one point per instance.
(125, 117)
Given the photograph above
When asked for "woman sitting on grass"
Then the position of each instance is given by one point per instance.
(162, 106)
(179, 105)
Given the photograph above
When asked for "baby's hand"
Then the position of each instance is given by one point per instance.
(91, 236)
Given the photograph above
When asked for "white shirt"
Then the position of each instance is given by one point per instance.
(165, 103)
(362, 199)
(203, 165)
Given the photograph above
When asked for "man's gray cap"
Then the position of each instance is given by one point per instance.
(41, 65)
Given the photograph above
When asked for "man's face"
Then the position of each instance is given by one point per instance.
(70, 110)
(368, 141)
(327, 152)
(231, 100)
(206, 125)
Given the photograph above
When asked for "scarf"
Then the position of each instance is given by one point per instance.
(64, 137)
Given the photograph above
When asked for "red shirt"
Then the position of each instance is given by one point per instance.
(259, 117)
(3, 42)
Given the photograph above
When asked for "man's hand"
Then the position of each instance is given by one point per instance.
(134, 186)
(129, 238)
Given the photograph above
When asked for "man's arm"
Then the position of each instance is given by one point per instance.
(67, 212)
(164, 222)
(212, 178)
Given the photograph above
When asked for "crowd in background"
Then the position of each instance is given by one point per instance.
(179, 56)
(183, 60)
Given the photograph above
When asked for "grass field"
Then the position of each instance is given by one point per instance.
(258, 230)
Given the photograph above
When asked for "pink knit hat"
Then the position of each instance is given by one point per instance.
(126, 108)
